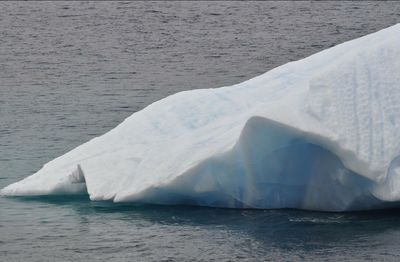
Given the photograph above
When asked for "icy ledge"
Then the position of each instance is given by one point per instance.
(321, 133)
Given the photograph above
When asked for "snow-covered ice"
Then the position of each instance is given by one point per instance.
(321, 133)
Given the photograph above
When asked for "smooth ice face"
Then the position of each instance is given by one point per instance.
(321, 133)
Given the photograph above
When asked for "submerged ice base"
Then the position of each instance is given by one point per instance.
(321, 133)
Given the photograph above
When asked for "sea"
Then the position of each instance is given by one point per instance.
(71, 71)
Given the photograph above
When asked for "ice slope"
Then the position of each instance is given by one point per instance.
(321, 133)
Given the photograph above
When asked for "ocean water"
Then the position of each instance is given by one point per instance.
(70, 71)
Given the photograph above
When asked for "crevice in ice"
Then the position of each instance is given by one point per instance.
(77, 176)
(389, 190)
(75, 183)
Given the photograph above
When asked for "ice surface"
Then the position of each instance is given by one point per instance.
(321, 133)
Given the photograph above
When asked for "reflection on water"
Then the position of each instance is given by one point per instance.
(104, 230)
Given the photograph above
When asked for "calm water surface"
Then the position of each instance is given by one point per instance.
(70, 71)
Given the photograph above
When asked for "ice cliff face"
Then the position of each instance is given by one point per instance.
(321, 133)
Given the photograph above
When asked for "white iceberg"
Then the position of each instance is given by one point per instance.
(321, 133)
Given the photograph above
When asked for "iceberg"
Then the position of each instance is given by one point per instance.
(321, 133)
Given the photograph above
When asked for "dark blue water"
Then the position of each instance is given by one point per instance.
(70, 71)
